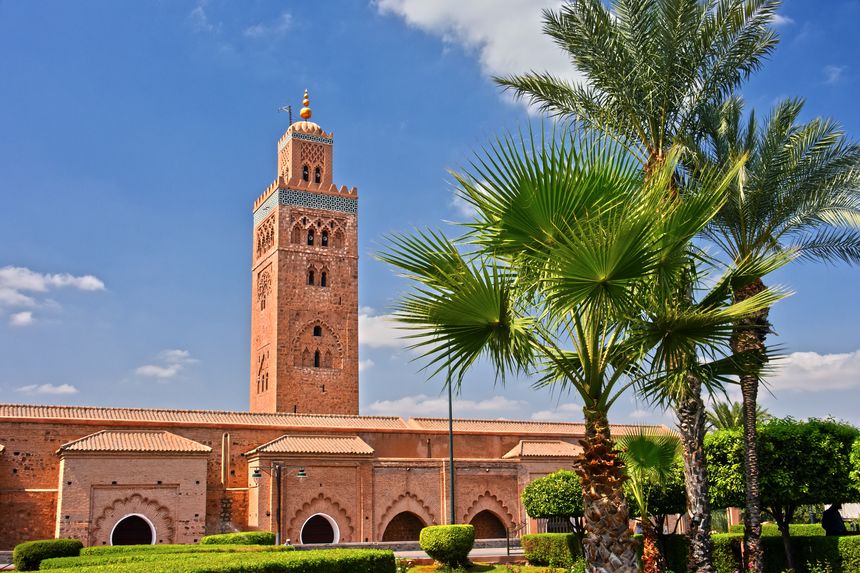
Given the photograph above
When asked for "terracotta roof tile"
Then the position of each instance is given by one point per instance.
(543, 449)
(350, 445)
(199, 417)
(515, 426)
(134, 441)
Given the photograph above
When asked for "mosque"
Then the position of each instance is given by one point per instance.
(302, 461)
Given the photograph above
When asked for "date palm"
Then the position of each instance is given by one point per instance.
(799, 192)
(649, 459)
(569, 243)
(730, 415)
(652, 68)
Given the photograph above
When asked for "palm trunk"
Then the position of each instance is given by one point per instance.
(749, 337)
(653, 560)
(608, 545)
(691, 426)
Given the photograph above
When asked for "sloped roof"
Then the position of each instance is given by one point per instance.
(198, 417)
(543, 449)
(349, 445)
(134, 441)
(518, 426)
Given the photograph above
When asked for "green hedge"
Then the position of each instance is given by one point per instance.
(770, 529)
(448, 544)
(726, 552)
(556, 549)
(27, 556)
(316, 561)
(97, 550)
(136, 553)
(241, 538)
(674, 549)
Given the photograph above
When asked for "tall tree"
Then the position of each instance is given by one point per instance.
(728, 415)
(568, 238)
(648, 460)
(652, 68)
(798, 193)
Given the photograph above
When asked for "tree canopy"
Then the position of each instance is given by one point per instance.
(558, 494)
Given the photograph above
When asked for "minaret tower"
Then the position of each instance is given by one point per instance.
(304, 311)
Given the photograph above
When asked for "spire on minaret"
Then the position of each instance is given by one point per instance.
(306, 110)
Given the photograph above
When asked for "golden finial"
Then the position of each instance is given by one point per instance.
(306, 111)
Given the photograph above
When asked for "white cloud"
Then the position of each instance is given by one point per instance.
(813, 372)
(58, 389)
(365, 364)
(200, 20)
(422, 405)
(566, 412)
(508, 39)
(832, 74)
(378, 331)
(16, 281)
(172, 362)
(463, 207)
(279, 27)
(780, 20)
(21, 318)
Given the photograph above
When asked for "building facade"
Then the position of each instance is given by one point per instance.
(119, 475)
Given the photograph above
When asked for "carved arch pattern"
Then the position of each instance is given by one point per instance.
(492, 503)
(266, 235)
(158, 514)
(305, 344)
(312, 153)
(326, 505)
(406, 501)
(304, 222)
(264, 286)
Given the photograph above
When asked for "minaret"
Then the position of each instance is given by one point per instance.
(304, 311)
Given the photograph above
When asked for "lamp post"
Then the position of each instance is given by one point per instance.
(451, 446)
(276, 470)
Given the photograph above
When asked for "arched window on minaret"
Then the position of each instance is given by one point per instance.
(318, 330)
(310, 236)
(306, 357)
(306, 173)
(327, 359)
(311, 277)
(323, 279)
(317, 359)
(338, 239)
(324, 238)
(296, 237)
(317, 175)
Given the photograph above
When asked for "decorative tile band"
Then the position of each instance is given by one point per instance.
(306, 199)
(304, 137)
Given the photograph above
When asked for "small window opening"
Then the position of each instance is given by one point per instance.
(305, 173)
(310, 277)
(324, 238)
(310, 236)
(323, 279)
(317, 175)
(317, 359)
(318, 329)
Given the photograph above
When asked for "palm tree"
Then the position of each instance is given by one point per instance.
(652, 68)
(649, 460)
(569, 243)
(730, 415)
(797, 194)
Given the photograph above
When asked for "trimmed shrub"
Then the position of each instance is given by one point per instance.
(241, 538)
(727, 552)
(556, 549)
(315, 561)
(849, 552)
(27, 556)
(151, 553)
(794, 529)
(448, 544)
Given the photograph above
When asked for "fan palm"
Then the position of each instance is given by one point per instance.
(649, 459)
(798, 193)
(730, 415)
(569, 243)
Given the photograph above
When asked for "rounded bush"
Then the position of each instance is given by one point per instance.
(448, 544)
(556, 549)
(27, 556)
(241, 538)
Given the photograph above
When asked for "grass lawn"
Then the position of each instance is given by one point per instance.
(488, 568)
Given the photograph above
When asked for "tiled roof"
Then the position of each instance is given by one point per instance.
(543, 449)
(349, 445)
(199, 417)
(134, 441)
(516, 426)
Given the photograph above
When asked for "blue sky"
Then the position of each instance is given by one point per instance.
(135, 137)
